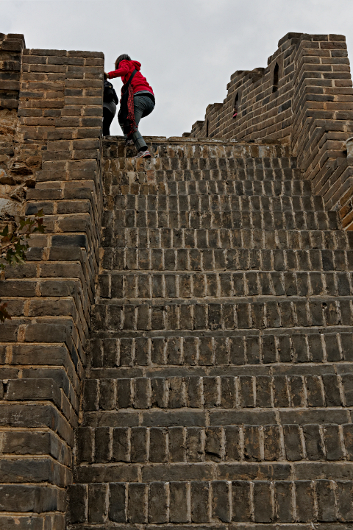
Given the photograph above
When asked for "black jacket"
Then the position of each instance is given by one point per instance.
(109, 93)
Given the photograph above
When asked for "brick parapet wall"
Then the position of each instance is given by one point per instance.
(309, 108)
(43, 347)
(322, 119)
(262, 113)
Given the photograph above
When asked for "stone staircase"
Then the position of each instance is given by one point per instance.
(220, 387)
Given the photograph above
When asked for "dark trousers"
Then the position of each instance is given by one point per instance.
(107, 120)
(143, 107)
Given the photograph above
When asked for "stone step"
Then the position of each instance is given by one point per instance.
(219, 387)
(264, 188)
(184, 285)
(235, 443)
(223, 392)
(224, 238)
(245, 494)
(190, 148)
(217, 203)
(241, 313)
(211, 219)
(177, 170)
(240, 157)
(220, 417)
(210, 353)
(228, 259)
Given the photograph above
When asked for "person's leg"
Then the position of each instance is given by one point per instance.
(143, 107)
(107, 120)
(122, 128)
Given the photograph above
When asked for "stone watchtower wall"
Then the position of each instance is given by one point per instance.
(223, 318)
(303, 98)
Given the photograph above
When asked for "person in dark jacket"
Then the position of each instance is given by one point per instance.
(137, 101)
(110, 101)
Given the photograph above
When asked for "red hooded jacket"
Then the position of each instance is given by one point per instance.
(125, 70)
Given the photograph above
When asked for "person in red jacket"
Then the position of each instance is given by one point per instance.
(137, 101)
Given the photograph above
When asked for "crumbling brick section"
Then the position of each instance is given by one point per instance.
(11, 47)
(56, 143)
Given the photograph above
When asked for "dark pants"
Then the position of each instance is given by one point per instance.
(107, 120)
(143, 105)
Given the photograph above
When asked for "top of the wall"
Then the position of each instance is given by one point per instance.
(12, 42)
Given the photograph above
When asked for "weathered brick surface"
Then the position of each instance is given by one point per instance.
(221, 343)
(43, 346)
(217, 379)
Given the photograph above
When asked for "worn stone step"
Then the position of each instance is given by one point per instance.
(264, 188)
(129, 356)
(179, 147)
(238, 493)
(234, 443)
(223, 238)
(202, 170)
(219, 388)
(210, 219)
(331, 365)
(218, 203)
(231, 314)
(206, 260)
(193, 417)
(183, 285)
(221, 392)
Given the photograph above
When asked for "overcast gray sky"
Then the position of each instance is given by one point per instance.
(188, 48)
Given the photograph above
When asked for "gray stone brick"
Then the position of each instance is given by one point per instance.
(97, 503)
(179, 507)
(157, 503)
(213, 444)
(304, 501)
(241, 501)
(344, 501)
(158, 445)
(117, 503)
(142, 393)
(272, 442)
(124, 395)
(252, 443)
(262, 502)
(283, 502)
(137, 503)
(333, 442)
(220, 501)
(139, 444)
(120, 447)
(194, 444)
(313, 442)
(102, 444)
(232, 443)
(200, 502)
(292, 442)
(176, 444)
(77, 503)
(325, 501)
